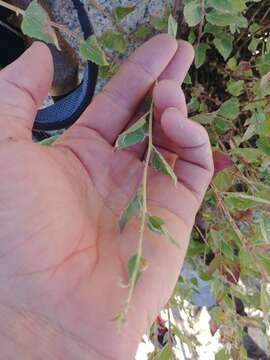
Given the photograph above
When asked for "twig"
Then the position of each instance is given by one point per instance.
(202, 21)
(143, 219)
(17, 10)
(10, 28)
(66, 30)
(175, 7)
(265, 15)
(201, 235)
(169, 330)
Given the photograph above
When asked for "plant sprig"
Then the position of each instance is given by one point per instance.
(138, 205)
(37, 24)
(136, 271)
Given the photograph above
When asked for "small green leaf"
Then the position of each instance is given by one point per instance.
(243, 196)
(159, 23)
(165, 354)
(253, 45)
(222, 355)
(235, 88)
(172, 26)
(200, 54)
(235, 203)
(148, 102)
(249, 154)
(221, 19)
(134, 135)
(265, 261)
(249, 133)
(49, 140)
(142, 32)
(120, 12)
(159, 163)
(132, 209)
(114, 40)
(193, 13)
(91, 50)
(132, 265)
(265, 228)
(265, 84)
(205, 118)
(155, 224)
(266, 125)
(228, 6)
(170, 238)
(194, 104)
(263, 144)
(192, 37)
(224, 44)
(230, 109)
(212, 29)
(223, 180)
(36, 23)
(232, 63)
(187, 80)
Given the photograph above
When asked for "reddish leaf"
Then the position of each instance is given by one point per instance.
(234, 275)
(222, 161)
(246, 215)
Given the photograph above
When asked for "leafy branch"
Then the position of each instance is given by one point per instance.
(136, 271)
(137, 205)
(36, 23)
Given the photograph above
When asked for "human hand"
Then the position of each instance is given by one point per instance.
(62, 256)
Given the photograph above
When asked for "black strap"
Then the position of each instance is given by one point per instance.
(64, 112)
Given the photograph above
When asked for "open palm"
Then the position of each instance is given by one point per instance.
(62, 257)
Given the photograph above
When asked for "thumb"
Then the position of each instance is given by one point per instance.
(23, 86)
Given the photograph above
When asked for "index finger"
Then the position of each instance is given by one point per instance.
(113, 108)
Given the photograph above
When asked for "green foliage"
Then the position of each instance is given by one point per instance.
(193, 13)
(160, 164)
(229, 109)
(222, 355)
(120, 12)
(172, 26)
(131, 267)
(224, 44)
(49, 141)
(134, 135)
(200, 54)
(133, 207)
(142, 33)
(157, 225)
(91, 50)
(36, 24)
(114, 40)
(229, 95)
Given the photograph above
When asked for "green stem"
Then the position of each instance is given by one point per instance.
(143, 217)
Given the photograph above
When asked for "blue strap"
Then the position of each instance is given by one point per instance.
(64, 112)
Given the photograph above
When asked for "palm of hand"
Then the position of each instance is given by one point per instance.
(62, 254)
